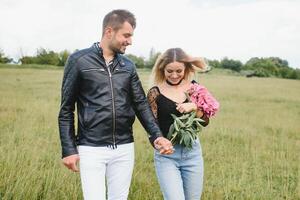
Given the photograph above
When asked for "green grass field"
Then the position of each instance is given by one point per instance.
(251, 148)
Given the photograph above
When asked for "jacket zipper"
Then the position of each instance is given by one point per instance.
(113, 99)
(113, 109)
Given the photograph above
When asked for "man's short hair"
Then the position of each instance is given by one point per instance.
(116, 18)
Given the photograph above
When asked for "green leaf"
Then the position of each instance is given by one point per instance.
(174, 116)
(171, 131)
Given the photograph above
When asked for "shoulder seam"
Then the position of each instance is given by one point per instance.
(155, 88)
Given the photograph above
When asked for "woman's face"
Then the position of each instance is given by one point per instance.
(174, 72)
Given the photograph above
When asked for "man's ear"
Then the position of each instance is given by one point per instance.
(108, 32)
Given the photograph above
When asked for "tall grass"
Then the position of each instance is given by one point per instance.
(251, 148)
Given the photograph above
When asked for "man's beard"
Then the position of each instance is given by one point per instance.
(116, 49)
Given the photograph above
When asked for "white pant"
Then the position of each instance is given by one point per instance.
(116, 165)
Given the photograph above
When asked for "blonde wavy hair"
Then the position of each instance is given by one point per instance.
(176, 55)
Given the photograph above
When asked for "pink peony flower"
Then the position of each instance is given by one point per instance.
(203, 99)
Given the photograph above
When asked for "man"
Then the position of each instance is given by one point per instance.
(106, 89)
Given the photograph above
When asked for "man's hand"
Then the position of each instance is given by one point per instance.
(71, 162)
(163, 145)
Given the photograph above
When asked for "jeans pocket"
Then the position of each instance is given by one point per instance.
(158, 158)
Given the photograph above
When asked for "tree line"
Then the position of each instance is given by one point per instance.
(260, 67)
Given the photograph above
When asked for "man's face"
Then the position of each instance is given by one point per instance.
(121, 38)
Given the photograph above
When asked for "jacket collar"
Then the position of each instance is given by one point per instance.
(99, 51)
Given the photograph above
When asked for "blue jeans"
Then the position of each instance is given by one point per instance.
(180, 174)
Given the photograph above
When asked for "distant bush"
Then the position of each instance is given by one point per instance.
(46, 57)
(271, 66)
(234, 65)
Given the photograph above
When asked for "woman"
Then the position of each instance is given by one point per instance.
(180, 174)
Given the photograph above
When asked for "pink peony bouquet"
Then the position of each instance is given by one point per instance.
(185, 128)
(203, 99)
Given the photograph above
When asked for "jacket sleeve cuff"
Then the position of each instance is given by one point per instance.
(153, 138)
(69, 152)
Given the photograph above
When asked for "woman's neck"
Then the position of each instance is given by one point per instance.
(174, 92)
(181, 84)
(173, 84)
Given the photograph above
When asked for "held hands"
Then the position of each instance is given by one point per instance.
(71, 162)
(163, 145)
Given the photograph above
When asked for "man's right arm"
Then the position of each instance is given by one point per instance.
(69, 92)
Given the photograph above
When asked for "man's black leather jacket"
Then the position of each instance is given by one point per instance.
(107, 99)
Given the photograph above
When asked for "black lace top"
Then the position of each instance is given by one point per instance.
(162, 108)
(165, 107)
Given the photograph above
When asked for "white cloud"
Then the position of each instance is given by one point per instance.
(237, 29)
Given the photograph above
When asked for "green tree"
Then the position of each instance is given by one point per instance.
(271, 66)
(234, 65)
(262, 66)
(278, 62)
(138, 61)
(152, 58)
(28, 60)
(214, 63)
(3, 58)
(63, 56)
(47, 57)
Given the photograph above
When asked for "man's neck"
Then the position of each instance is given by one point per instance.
(107, 53)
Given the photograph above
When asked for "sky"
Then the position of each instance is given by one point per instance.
(237, 29)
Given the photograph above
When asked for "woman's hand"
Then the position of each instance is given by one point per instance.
(186, 107)
(189, 107)
(164, 145)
